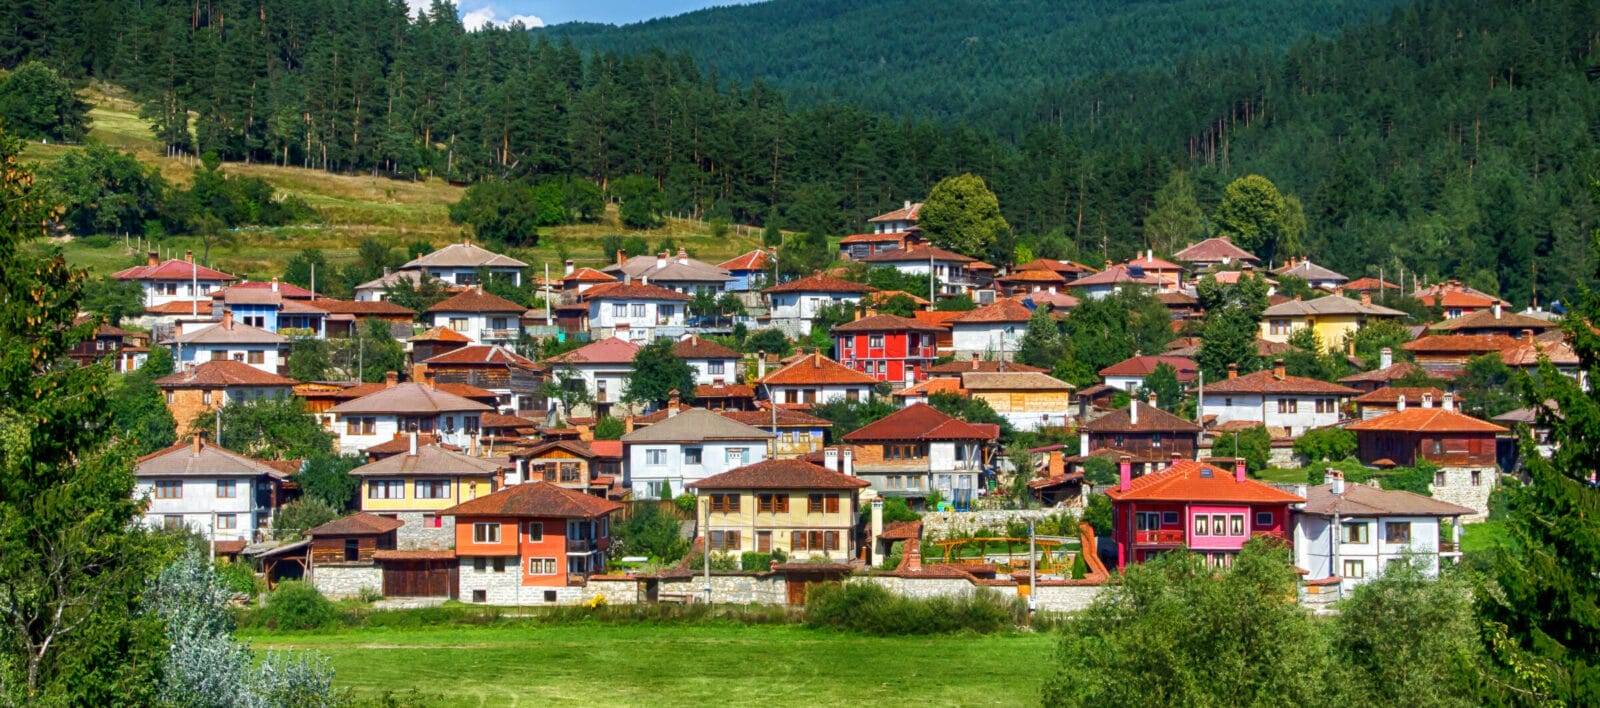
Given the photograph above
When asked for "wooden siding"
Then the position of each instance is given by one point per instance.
(331, 549)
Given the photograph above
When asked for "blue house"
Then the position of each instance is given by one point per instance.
(749, 271)
(274, 311)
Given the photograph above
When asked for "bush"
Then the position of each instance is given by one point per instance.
(686, 503)
(1098, 515)
(761, 562)
(296, 605)
(896, 555)
(1326, 444)
(870, 609)
(238, 577)
(1080, 564)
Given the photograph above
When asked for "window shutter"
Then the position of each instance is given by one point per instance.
(782, 501)
(833, 540)
(797, 540)
(831, 503)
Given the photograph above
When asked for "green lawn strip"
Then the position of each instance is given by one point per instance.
(1484, 536)
(677, 665)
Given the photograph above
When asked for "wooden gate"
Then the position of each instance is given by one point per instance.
(421, 578)
(797, 589)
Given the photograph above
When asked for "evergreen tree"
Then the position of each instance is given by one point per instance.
(1231, 326)
(35, 103)
(1176, 219)
(1041, 344)
(1163, 382)
(269, 428)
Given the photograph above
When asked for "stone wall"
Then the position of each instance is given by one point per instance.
(920, 588)
(734, 588)
(1459, 489)
(1319, 597)
(615, 589)
(500, 587)
(416, 535)
(1064, 597)
(937, 525)
(339, 580)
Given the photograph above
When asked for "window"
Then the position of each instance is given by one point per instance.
(169, 489)
(499, 565)
(1219, 525)
(480, 595)
(852, 395)
(1288, 405)
(497, 323)
(1202, 527)
(725, 541)
(541, 566)
(1397, 532)
(226, 489)
(1264, 519)
(830, 539)
(691, 456)
(486, 533)
(432, 521)
(256, 356)
(1325, 405)
(638, 309)
(1355, 569)
(1438, 447)
(736, 457)
(206, 398)
(458, 324)
(725, 502)
(822, 503)
(1236, 525)
(352, 549)
(361, 426)
(911, 451)
(1438, 479)
(1169, 518)
(227, 522)
(432, 489)
(169, 398)
(1155, 440)
(1280, 326)
(1148, 520)
(386, 489)
(875, 341)
(665, 312)
(1477, 478)
(655, 457)
(480, 564)
(535, 531)
(716, 367)
(619, 310)
(1355, 533)
(773, 503)
(763, 542)
(469, 424)
(171, 522)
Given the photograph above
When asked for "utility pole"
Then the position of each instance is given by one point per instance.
(706, 533)
(1033, 569)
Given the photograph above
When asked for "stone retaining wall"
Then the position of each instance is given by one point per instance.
(1459, 489)
(339, 581)
(938, 524)
(415, 535)
(1061, 597)
(738, 589)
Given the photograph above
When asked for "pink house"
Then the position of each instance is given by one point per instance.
(1204, 508)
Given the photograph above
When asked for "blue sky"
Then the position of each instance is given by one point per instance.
(476, 13)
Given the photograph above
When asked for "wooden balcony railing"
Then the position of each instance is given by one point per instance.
(582, 545)
(1163, 537)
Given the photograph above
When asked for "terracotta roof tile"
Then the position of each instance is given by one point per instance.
(605, 351)
(704, 391)
(430, 459)
(1393, 372)
(1392, 394)
(1266, 381)
(920, 253)
(941, 384)
(402, 443)
(408, 398)
(758, 259)
(786, 418)
(1143, 365)
(1307, 270)
(1426, 420)
(634, 291)
(1032, 276)
(1368, 283)
(481, 355)
(1526, 353)
(1459, 343)
(819, 283)
(1364, 500)
(1056, 266)
(909, 212)
(901, 531)
(921, 422)
(887, 323)
(588, 275)
(880, 297)
(172, 269)
(1232, 277)
(1214, 250)
(695, 425)
(875, 238)
(183, 307)
(817, 369)
(1001, 311)
(536, 499)
(1151, 419)
(370, 308)
(463, 255)
(938, 318)
(696, 347)
(1011, 381)
(475, 300)
(1151, 263)
(1486, 319)
(357, 524)
(1114, 275)
(1196, 481)
(441, 334)
(1329, 305)
(222, 373)
(961, 366)
(779, 474)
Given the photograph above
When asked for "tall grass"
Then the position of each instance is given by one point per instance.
(870, 609)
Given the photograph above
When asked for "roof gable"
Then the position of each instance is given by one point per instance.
(476, 300)
(816, 369)
(536, 499)
(694, 425)
(223, 373)
(921, 422)
(779, 474)
(409, 398)
(1187, 480)
(1425, 420)
(463, 255)
(694, 347)
(605, 351)
(1151, 419)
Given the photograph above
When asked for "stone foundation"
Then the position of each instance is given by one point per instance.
(1052, 597)
(1459, 489)
(415, 535)
(340, 581)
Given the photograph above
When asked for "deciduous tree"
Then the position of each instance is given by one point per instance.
(961, 214)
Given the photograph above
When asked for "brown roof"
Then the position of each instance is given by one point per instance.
(371, 308)
(887, 323)
(779, 474)
(920, 252)
(909, 212)
(1486, 319)
(483, 354)
(1143, 365)
(180, 307)
(1398, 370)
(786, 418)
(921, 421)
(1329, 305)
(430, 459)
(358, 524)
(1459, 343)
(1267, 381)
(1214, 250)
(1054, 265)
(441, 334)
(1032, 276)
(937, 384)
(1011, 381)
(576, 447)
(1364, 500)
(230, 333)
(1187, 480)
(589, 275)
(475, 300)
(171, 269)
(1113, 275)
(1426, 420)
(536, 499)
(398, 555)
(634, 291)
(222, 373)
(1151, 419)
(703, 391)
(181, 458)
(694, 347)
(463, 255)
(819, 283)
(758, 259)
(999, 311)
(1392, 394)
(1526, 352)
(962, 366)
(937, 318)
(408, 398)
(401, 443)
(695, 425)
(815, 368)
(901, 531)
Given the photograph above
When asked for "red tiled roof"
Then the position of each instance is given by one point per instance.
(606, 448)
(501, 420)
(694, 347)
(171, 269)
(357, 524)
(819, 283)
(1187, 480)
(231, 548)
(817, 369)
(960, 366)
(1144, 365)
(901, 531)
(1000, 311)
(536, 499)
(937, 318)
(1392, 394)
(1456, 298)
(1486, 319)
(922, 422)
(1113, 275)
(634, 291)
(874, 238)
(588, 275)
(1266, 381)
(758, 259)
(941, 384)
(779, 474)
(222, 373)
(1369, 283)
(467, 391)
(1151, 419)
(402, 443)
(1426, 420)
(289, 290)
(180, 307)
(1052, 264)
(1231, 277)
(605, 351)
(475, 300)
(1398, 370)
(879, 297)
(1526, 352)
(887, 323)
(704, 391)
(786, 418)
(1151, 263)
(483, 354)
(919, 252)
(905, 213)
(1460, 343)
(1032, 276)
(441, 334)
(1214, 250)
(371, 308)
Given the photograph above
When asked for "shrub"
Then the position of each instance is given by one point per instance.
(896, 555)
(1326, 444)
(238, 577)
(686, 503)
(870, 609)
(1080, 565)
(296, 605)
(1098, 514)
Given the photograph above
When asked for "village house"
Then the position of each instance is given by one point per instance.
(218, 493)
(796, 433)
(682, 274)
(806, 511)
(1392, 399)
(994, 330)
(215, 384)
(686, 447)
(125, 349)
(923, 392)
(340, 557)
(1332, 317)
(918, 450)
(1457, 300)
(794, 305)
(1129, 374)
(1387, 374)
(1493, 320)
(1115, 277)
(578, 281)
(1190, 505)
(1168, 273)
(174, 281)
(1460, 446)
(344, 317)
(955, 274)
(725, 397)
(274, 308)
(713, 363)
(1446, 355)
(460, 263)
(377, 289)
(889, 231)
(417, 485)
(516, 381)
(636, 311)
(529, 543)
(955, 369)
(748, 271)
(1367, 285)
(228, 340)
(397, 408)
(1068, 270)
(602, 368)
(812, 379)
(1150, 438)
(1215, 254)
(1027, 400)
(1273, 398)
(1527, 352)
(483, 317)
(1353, 532)
(433, 342)
(887, 347)
(1317, 276)
(1023, 282)
(566, 463)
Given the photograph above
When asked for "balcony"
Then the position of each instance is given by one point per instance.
(1162, 537)
(580, 546)
(1449, 547)
(498, 334)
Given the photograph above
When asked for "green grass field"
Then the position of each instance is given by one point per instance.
(704, 664)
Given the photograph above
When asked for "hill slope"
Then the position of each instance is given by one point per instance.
(960, 59)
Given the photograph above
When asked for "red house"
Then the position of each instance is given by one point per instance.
(888, 347)
(1204, 508)
(518, 544)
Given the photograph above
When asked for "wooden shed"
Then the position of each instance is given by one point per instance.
(352, 539)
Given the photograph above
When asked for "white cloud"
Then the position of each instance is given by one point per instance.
(527, 20)
(479, 16)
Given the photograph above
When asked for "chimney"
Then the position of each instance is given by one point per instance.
(1386, 358)
(152, 258)
(1427, 400)
(661, 260)
(1366, 299)
(847, 461)
(672, 403)
(877, 524)
(1083, 443)
(386, 271)
(911, 377)
(1108, 265)
(1527, 334)
(975, 362)
(1400, 403)
(1133, 412)
(188, 256)
(1154, 402)
(1233, 371)
(1149, 254)
(627, 424)
(227, 319)
(274, 284)
(1057, 464)
(761, 364)
(830, 459)
(1449, 401)
(1350, 348)
(1238, 469)
(1335, 479)
(908, 204)
(1497, 310)
(1125, 474)
(912, 552)
(196, 440)
(1175, 457)
(570, 267)
(621, 256)
(1278, 369)
(390, 379)
(683, 257)
(412, 449)
(816, 360)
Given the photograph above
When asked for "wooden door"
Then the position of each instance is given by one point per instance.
(797, 590)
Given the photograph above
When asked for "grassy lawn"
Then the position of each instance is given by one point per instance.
(709, 664)
(1282, 476)
(1483, 536)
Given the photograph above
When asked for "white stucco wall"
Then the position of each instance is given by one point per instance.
(675, 472)
(1264, 410)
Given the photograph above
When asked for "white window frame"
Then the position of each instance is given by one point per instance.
(531, 528)
(485, 533)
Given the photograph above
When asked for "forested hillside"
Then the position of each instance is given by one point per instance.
(961, 60)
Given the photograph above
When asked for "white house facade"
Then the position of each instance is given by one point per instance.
(1276, 400)
(1355, 532)
(637, 312)
(220, 494)
(688, 446)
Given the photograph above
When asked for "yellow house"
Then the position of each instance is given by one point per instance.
(415, 485)
(806, 511)
(1028, 399)
(1332, 317)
